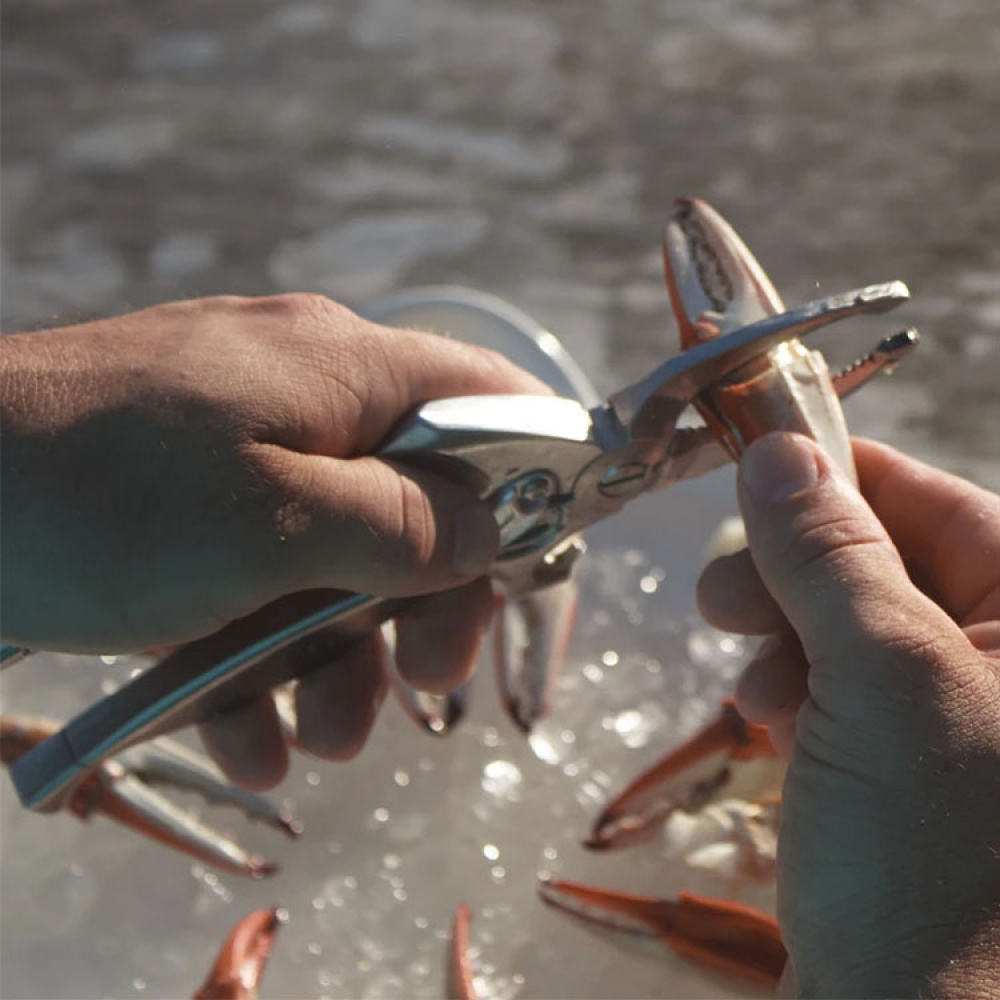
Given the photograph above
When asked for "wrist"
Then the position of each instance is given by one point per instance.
(45, 398)
(25, 439)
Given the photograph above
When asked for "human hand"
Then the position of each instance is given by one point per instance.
(881, 684)
(172, 470)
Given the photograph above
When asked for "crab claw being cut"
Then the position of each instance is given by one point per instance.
(716, 286)
(722, 936)
(121, 789)
(241, 960)
(729, 757)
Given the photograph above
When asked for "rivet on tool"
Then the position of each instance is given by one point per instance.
(532, 495)
(623, 480)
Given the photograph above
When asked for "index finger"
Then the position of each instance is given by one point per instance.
(946, 529)
(421, 366)
(374, 374)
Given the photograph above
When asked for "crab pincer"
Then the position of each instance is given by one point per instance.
(438, 714)
(240, 963)
(719, 935)
(122, 789)
(532, 635)
(728, 757)
(716, 285)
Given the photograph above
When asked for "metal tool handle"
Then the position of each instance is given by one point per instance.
(510, 445)
(275, 645)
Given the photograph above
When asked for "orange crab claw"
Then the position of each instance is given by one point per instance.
(719, 935)
(240, 963)
(122, 790)
(715, 283)
(461, 985)
(687, 779)
(716, 286)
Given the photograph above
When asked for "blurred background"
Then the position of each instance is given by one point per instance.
(533, 150)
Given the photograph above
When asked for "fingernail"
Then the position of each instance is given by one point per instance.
(476, 540)
(778, 466)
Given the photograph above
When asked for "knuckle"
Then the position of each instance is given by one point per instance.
(289, 303)
(839, 746)
(908, 639)
(318, 314)
(832, 545)
(313, 306)
(299, 312)
(222, 303)
(271, 470)
(278, 494)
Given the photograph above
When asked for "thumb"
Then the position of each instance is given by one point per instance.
(839, 580)
(371, 526)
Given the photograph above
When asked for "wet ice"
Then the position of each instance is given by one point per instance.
(396, 840)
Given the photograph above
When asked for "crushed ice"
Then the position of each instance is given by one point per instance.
(397, 839)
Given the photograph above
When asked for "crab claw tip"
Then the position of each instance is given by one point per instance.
(291, 826)
(521, 715)
(259, 868)
(715, 282)
(524, 725)
(602, 832)
(614, 830)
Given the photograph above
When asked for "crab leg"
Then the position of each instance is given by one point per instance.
(532, 635)
(240, 963)
(120, 790)
(461, 978)
(688, 778)
(167, 762)
(124, 798)
(723, 936)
